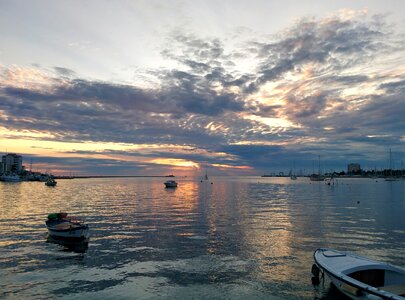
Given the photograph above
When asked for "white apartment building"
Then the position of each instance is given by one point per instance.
(11, 163)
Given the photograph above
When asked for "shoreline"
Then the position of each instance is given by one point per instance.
(112, 176)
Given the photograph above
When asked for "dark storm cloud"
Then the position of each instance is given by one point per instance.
(205, 60)
(334, 43)
(394, 87)
(195, 95)
(87, 112)
(307, 107)
(384, 114)
(268, 158)
(64, 71)
(353, 79)
(184, 95)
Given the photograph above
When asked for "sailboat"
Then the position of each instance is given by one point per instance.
(206, 174)
(317, 177)
(391, 177)
(292, 175)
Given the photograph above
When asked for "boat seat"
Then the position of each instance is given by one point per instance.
(64, 226)
(397, 289)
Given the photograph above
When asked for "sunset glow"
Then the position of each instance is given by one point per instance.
(251, 97)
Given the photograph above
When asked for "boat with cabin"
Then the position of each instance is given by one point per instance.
(359, 277)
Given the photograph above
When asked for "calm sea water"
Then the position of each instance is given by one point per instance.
(238, 238)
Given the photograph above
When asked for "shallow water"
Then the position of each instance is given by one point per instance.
(237, 238)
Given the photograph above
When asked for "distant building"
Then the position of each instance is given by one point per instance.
(12, 163)
(353, 168)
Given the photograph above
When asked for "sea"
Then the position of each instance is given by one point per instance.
(222, 238)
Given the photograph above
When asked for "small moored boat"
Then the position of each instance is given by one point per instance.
(316, 177)
(51, 182)
(170, 184)
(359, 277)
(10, 178)
(60, 226)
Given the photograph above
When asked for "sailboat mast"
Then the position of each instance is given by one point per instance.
(390, 160)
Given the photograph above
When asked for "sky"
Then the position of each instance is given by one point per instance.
(180, 87)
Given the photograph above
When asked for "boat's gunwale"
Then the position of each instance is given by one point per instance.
(355, 283)
(81, 227)
(74, 226)
(72, 238)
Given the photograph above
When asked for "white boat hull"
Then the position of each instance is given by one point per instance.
(170, 184)
(70, 234)
(359, 277)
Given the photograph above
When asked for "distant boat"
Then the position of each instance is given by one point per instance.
(170, 184)
(10, 178)
(51, 182)
(292, 176)
(359, 277)
(317, 177)
(391, 177)
(60, 226)
(330, 181)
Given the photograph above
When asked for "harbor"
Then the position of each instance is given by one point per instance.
(249, 237)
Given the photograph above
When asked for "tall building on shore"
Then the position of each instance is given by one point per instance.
(11, 163)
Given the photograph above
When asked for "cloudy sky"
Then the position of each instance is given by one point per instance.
(238, 87)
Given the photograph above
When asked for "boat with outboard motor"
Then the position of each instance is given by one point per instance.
(359, 277)
(60, 226)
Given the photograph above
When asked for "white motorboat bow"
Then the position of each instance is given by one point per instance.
(359, 277)
(60, 226)
(170, 184)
